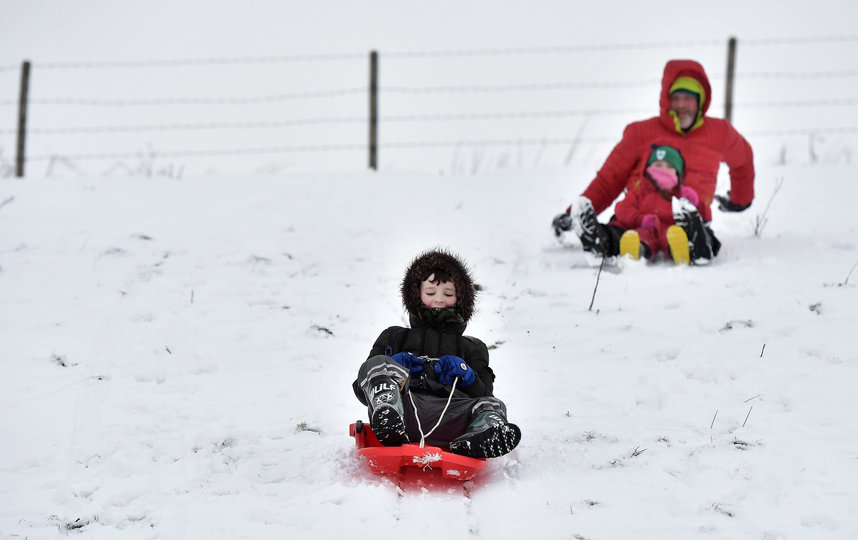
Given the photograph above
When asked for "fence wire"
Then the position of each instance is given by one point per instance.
(495, 51)
(451, 89)
(453, 143)
(496, 116)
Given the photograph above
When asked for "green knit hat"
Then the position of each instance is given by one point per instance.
(668, 154)
(689, 86)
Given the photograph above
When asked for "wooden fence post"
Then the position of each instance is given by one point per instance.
(373, 110)
(731, 72)
(22, 119)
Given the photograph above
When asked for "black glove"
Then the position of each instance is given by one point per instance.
(726, 205)
(562, 223)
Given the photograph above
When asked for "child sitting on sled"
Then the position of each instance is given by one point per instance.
(661, 214)
(430, 383)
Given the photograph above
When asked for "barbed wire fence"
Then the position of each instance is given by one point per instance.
(480, 105)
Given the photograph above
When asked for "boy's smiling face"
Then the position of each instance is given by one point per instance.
(437, 295)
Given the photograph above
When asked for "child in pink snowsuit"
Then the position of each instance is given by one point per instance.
(647, 210)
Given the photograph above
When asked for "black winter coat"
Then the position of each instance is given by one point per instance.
(423, 340)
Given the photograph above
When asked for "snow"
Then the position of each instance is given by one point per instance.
(178, 354)
(177, 350)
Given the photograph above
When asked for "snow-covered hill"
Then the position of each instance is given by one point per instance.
(177, 357)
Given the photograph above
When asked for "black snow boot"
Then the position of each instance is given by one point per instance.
(593, 235)
(488, 436)
(700, 245)
(386, 415)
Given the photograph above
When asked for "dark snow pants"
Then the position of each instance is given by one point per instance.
(422, 410)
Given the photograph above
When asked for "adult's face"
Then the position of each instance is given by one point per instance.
(685, 106)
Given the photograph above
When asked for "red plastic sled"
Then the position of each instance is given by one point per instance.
(408, 458)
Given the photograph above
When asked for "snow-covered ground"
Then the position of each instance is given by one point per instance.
(177, 357)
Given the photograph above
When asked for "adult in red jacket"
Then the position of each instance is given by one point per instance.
(705, 143)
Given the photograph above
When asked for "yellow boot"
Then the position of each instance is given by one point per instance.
(630, 244)
(678, 242)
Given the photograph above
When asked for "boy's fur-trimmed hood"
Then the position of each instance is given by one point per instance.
(425, 264)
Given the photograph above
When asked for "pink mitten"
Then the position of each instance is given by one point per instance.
(650, 222)
(688, 193)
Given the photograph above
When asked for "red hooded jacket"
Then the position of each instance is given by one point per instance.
(642, 198)
(704, 147)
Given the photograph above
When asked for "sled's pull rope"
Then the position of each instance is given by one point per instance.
(417, 416)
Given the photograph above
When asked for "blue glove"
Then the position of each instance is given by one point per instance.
(449, 367)
(413, 363)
